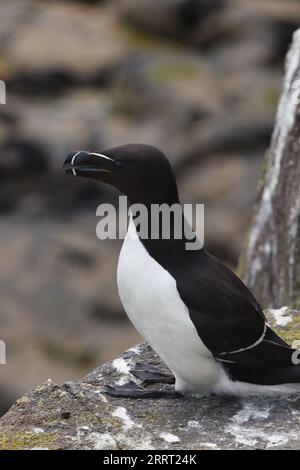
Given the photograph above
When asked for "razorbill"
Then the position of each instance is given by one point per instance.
(195, 312)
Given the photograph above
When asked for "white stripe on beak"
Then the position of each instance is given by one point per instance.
(72, 162)
(101, 155)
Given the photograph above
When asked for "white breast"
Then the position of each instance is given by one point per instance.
(151, 300)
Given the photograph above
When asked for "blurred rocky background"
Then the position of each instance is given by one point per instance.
(200, 79)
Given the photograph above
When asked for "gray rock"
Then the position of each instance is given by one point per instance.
(62, 34)
(54, 322)
(286, 322)
(178, 18)
(273, 242)
(225, 185)
(78, 415)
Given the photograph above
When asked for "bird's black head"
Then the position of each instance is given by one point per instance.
(141, 172)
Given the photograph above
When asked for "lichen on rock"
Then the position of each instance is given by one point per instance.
(286, 323)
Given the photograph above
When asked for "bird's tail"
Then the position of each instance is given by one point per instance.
(267, 375)
(270, 381)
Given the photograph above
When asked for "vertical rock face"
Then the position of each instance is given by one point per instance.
(270, 262)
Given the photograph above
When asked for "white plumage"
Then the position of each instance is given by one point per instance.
(152, 302)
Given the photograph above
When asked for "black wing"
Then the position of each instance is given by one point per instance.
(225, 313)
(232, 325)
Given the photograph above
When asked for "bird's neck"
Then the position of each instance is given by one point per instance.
(165, 234)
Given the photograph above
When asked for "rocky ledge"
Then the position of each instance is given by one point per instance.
(80, 416)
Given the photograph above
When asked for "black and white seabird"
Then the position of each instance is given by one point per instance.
(195, 312)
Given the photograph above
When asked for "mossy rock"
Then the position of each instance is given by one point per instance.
(22, 440)
(286, 323)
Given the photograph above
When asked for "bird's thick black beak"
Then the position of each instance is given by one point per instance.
(89, 164)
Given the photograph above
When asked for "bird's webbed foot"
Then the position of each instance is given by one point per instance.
(150, 375)
(132, 390)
